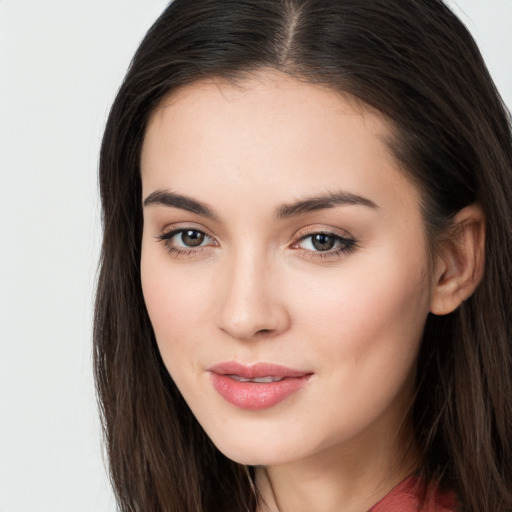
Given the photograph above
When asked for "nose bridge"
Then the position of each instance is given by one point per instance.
(251, 303)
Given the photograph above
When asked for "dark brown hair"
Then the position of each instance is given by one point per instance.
(413, 61)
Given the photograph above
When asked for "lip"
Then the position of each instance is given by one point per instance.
(256, 395)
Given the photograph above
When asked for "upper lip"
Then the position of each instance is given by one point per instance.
(255, 371)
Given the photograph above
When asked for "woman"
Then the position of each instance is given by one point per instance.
(304, 297)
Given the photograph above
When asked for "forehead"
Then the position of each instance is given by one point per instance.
(268, 95)
(270, 132)
(265, 84)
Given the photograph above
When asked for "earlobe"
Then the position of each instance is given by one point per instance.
(460, 262)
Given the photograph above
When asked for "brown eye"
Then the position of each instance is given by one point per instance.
(186, 240)
(323, 242)
(326, 244)
(192, 237)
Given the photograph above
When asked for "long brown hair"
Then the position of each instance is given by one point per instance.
(413, 61)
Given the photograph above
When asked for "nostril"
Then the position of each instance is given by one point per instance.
(248, 313)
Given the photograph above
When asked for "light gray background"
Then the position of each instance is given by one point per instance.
(61, 62)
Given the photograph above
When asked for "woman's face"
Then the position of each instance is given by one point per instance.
(283, 267)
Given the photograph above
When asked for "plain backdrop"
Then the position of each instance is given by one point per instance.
(61, 62)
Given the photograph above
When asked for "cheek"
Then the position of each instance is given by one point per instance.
(176, 301)
(361, 331)
(368, 317)
(382, 285)
(172, 299)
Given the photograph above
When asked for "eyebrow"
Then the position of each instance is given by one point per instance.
(321, 202)
(167, 198)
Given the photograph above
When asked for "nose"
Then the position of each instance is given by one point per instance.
(252, 301)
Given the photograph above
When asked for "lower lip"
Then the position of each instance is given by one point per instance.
(256, 395)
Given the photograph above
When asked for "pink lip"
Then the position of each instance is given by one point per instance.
(255, 395)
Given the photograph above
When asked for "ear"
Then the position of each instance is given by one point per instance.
(460, 262)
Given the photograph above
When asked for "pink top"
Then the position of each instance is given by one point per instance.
(407, 497)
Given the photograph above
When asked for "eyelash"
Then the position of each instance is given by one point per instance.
(166, 238)
(345, 244)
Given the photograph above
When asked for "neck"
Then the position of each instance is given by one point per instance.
(351, 479)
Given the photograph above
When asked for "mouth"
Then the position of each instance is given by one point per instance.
(258, 386)
(259, 380)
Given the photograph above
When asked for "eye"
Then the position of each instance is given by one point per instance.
(186, 241)
(190, 238)
(319, 242)
(325, 244)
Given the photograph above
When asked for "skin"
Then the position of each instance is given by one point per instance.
(257, 290)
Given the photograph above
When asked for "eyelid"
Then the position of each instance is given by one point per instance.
(345, 242)
(326, 230)
(179, 251)
(169, 235)
(171, 229)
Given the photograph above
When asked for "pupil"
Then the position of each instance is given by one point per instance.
(323, 242)
(192, 238)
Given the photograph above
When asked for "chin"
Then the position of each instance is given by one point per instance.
(252, 456)
(259, 450)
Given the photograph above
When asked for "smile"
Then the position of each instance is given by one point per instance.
(256, 387)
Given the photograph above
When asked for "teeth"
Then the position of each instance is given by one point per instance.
(267, 379)
(239, 379)
(260, 380)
